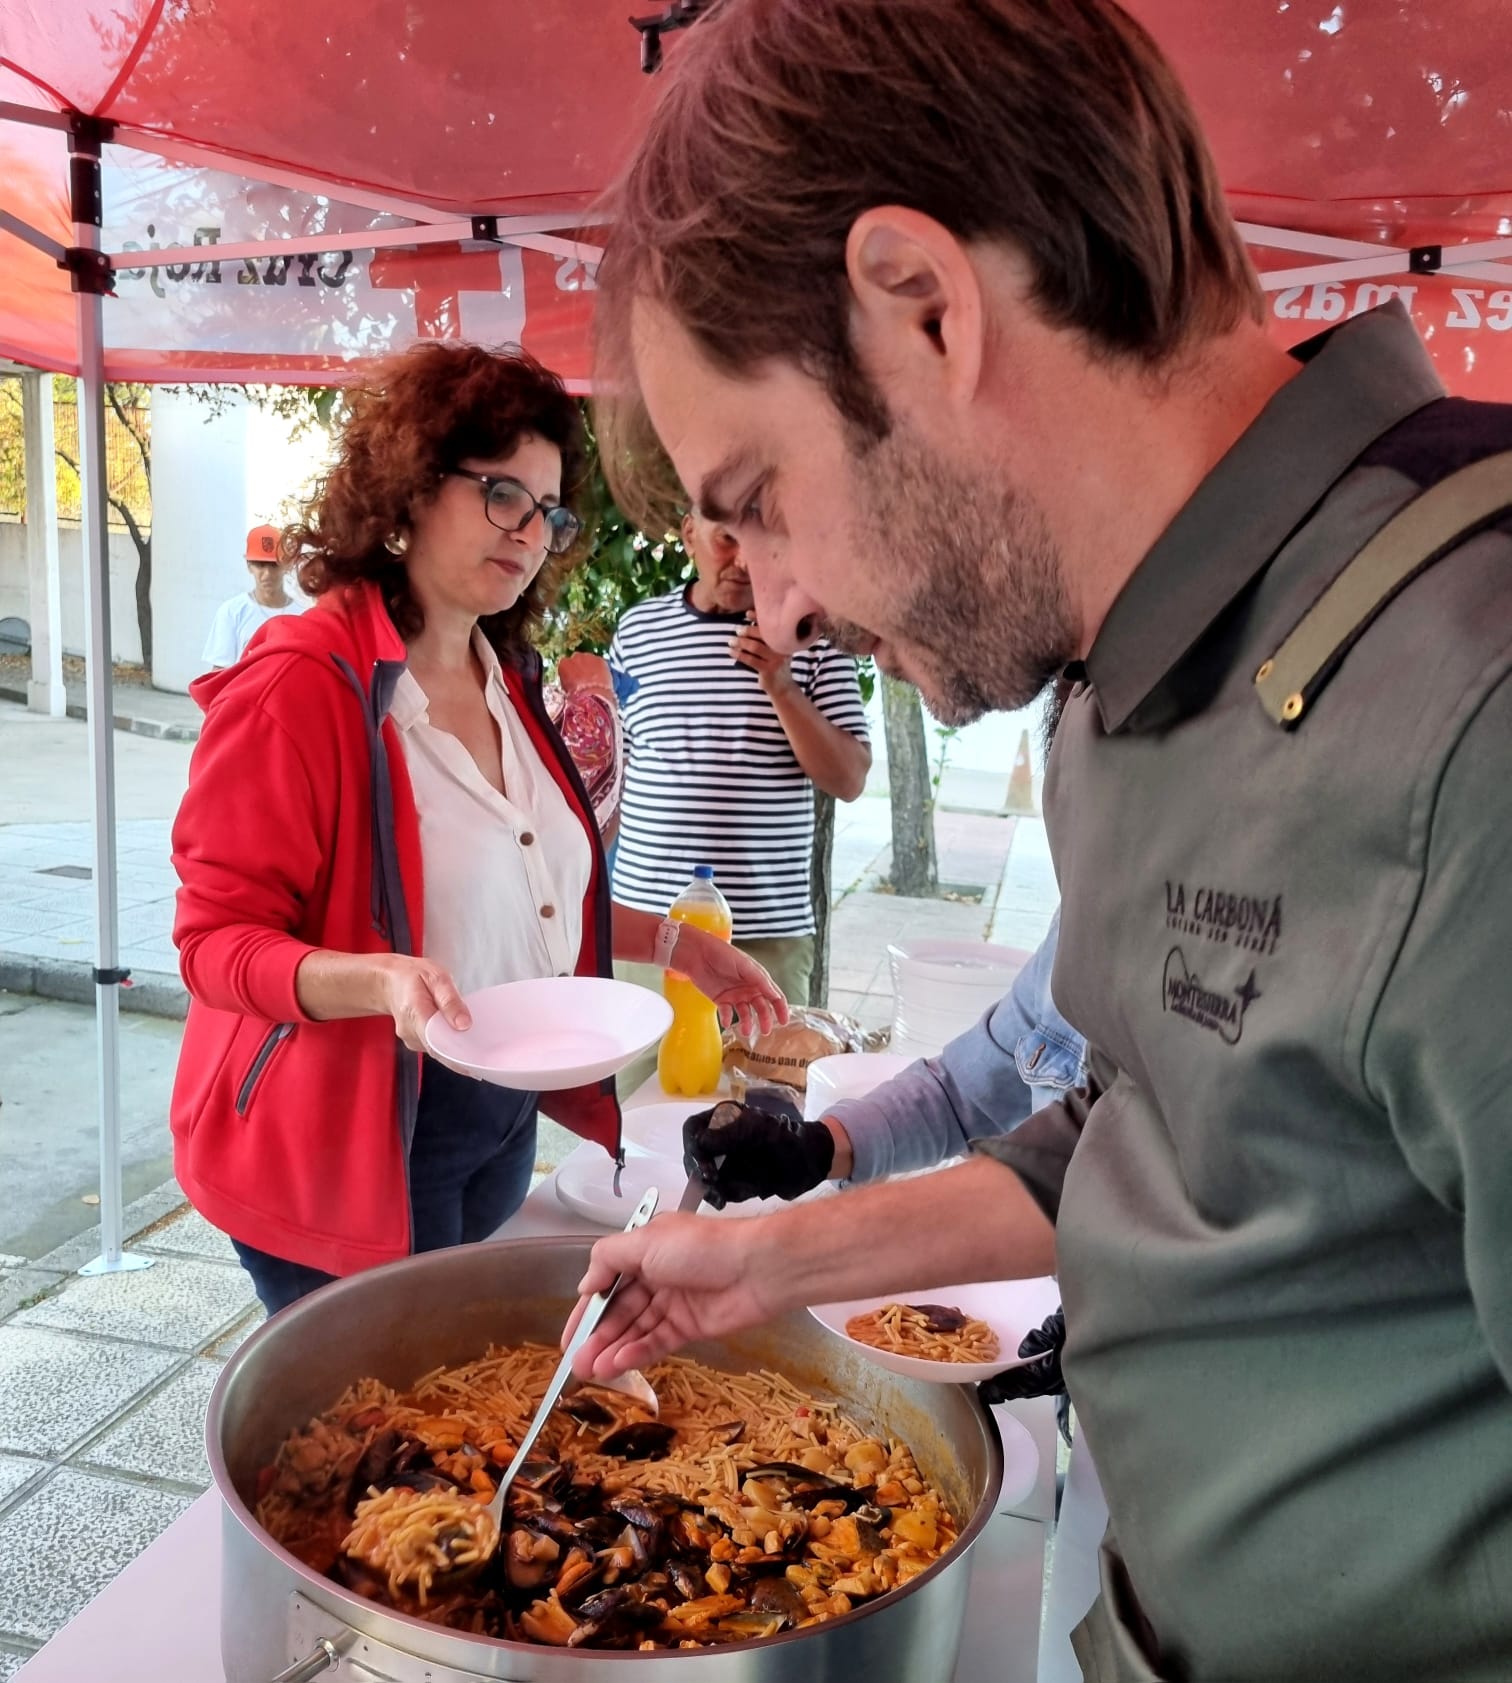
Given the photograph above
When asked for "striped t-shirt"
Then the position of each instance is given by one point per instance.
(710, 777)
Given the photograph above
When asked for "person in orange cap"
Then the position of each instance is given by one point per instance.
(235, 620)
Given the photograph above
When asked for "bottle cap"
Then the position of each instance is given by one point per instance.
(704, 873)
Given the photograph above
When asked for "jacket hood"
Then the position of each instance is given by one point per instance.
(350, 624)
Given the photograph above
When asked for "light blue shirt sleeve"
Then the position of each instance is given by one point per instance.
(1020, 1057)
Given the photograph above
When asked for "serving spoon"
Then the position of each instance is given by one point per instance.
(593, 1313)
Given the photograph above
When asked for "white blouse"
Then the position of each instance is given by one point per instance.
(505, 875)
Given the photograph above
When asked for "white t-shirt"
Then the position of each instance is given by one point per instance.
(235, 621)
(504, 875)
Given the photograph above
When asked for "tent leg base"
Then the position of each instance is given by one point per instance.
(124, 1263)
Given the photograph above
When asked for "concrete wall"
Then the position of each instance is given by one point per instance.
(217, 470)
(123, 564)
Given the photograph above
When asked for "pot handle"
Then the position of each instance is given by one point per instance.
(325, 1656)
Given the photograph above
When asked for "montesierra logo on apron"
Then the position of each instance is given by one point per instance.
(1223, 1013)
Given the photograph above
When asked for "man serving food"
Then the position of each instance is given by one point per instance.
(961, 341)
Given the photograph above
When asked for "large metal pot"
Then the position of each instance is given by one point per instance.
(280, 1620)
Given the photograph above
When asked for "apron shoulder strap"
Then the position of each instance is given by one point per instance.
(1436, 521)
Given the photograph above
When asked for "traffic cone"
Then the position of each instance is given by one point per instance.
(1020, 802)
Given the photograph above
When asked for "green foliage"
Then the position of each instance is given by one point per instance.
(944, 736)
(128, 447)
(623, 566)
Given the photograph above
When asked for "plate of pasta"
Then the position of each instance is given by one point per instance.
(956, 1335)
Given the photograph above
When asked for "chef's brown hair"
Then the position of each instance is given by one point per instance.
(1057, 128)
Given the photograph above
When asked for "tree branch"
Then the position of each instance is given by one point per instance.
(113, 396)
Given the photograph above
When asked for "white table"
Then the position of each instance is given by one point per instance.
(159, 1621)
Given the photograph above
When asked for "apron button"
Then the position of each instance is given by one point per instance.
(548, 911)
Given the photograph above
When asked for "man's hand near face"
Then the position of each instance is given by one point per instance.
(773, 671)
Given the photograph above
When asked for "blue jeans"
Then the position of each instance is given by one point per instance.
(469, 1170)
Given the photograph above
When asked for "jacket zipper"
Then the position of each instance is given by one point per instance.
(275, 1038)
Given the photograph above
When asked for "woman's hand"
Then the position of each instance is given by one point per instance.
(738, 985)
(412, 991)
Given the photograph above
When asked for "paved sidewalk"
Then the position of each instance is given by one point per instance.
(47, 912)
(134, 707)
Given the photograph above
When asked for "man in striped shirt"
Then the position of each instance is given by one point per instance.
(725, 742)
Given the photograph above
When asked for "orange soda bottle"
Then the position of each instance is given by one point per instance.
(692, 1051)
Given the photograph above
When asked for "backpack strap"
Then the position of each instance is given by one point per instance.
(1436, 521)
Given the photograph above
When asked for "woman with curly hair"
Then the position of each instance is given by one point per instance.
(380, 818)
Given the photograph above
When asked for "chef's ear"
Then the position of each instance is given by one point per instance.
(918, 314)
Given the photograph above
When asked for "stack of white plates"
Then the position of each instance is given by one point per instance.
(848, 1075)
(941, 988)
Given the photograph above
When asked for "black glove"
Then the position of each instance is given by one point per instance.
(1040, 1378)
(742, 1152)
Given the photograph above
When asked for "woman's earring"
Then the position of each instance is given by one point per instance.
(397, 542)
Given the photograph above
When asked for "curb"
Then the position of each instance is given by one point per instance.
(154, 728)
(152, 992)
(140, 1214)
(43, 1277)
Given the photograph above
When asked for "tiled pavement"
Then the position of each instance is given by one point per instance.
(103, 1387)
(104, 1382)
(47, 904)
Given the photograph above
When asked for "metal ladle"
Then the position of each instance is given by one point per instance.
(593, 1313)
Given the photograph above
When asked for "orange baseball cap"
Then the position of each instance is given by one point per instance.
(262, 543)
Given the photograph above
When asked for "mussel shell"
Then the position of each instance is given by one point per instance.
(777, 1598)
(688, 1579)
(940, 1317)
(588, 1411)
(641, 1440)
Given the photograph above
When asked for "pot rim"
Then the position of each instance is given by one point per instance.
(329, 1590)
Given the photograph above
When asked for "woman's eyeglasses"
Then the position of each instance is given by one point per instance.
(511, 508)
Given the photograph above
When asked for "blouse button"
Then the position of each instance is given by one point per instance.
(548, 911)
(526, 837)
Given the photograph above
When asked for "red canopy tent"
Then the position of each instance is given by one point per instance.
(1348, 134)
(280, 187)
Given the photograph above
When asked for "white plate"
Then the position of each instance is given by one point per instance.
(657, 1127)
(542, 1036)
(585, 1182)
(1010, 1307)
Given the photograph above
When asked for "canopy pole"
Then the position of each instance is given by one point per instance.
(92, 280)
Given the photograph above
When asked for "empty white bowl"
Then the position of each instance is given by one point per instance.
(848, 1075)
(949, 964)
(560, 1031)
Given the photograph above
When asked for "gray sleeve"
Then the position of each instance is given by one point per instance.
(1438, 1052)
(974, 1089)
(1039, 1151)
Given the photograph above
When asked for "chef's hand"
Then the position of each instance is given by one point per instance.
(684, 1279)
(742, 990)
(1040, 1378)
(773, 671)
(749, 1153)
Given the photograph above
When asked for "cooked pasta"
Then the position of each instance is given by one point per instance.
(933, 1332)
(747, 1507)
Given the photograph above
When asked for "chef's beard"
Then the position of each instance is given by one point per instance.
(980, 617)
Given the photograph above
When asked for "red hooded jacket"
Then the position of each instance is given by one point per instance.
(299, 831)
